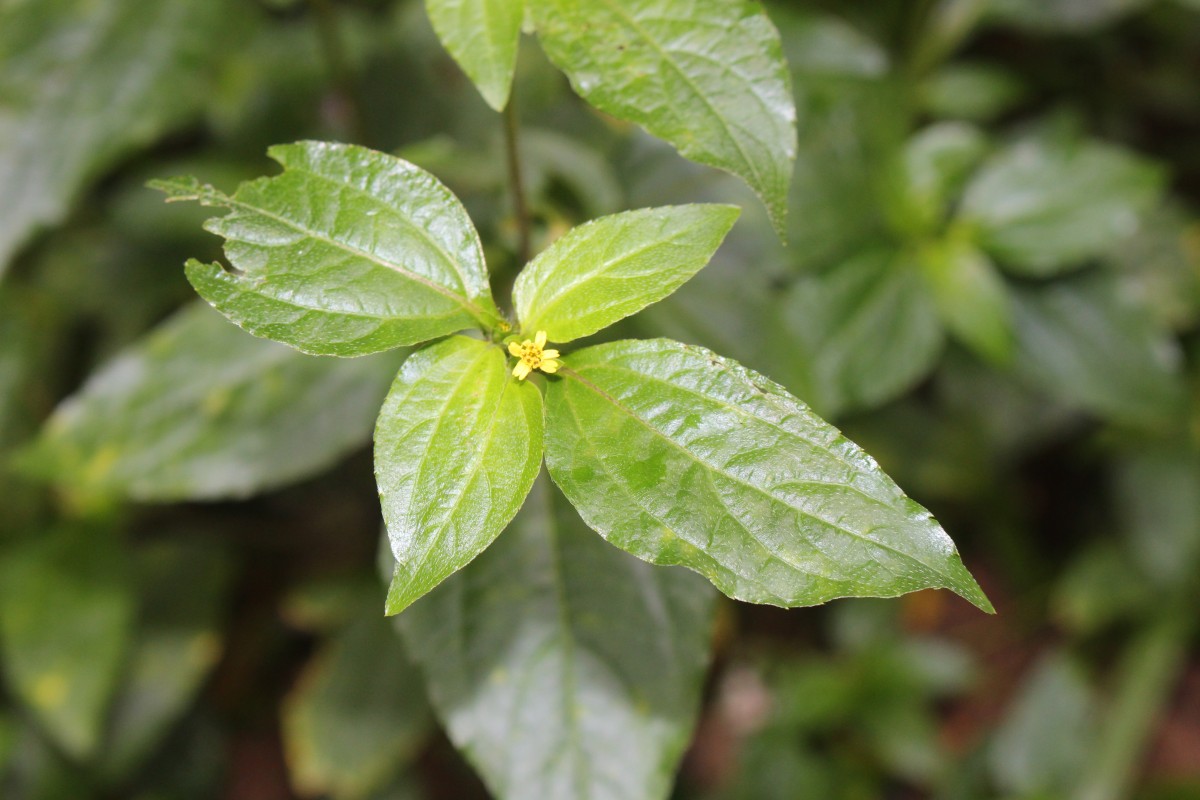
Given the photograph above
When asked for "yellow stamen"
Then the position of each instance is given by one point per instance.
(532, 354)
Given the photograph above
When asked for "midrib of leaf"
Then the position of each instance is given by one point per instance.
(603, 267)
(634, 25)
(758, 490)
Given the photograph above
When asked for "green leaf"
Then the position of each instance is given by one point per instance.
(199, 410)
(348, 252)
(66, 609)
(1084, 343)
(482, 35)
(708, 76)
(1155, 488)
(1042, 207)
(85, 83)
(358, 712)
(860, 333)
(682, 457)
(561, 667)
(1042, 745)
(175, 646)
(615, 266)
(971, 296)
(1069, 16)
(933, 166)
(976, 92)
(457, 446)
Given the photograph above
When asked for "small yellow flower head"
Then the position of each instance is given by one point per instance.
(533, 355)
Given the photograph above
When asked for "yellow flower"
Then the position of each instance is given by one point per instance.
(533, 355)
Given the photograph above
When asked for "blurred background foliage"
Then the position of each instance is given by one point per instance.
(992, 283)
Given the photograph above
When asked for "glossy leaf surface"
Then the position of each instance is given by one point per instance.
(615, 266)
(457, 446)
(708, 76)
(482, 35)
(85, 83)
(199, 410)
(1042, 207)
(348, 252)
(66, 611)
(682, 457)
(563, 667)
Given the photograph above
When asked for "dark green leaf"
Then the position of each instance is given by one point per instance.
(1084, 343)
(708, 76)
(175, 646)
(358, 711)
(348, 252)
(482, 35)
(933, 166)
(860, 333)
(86, 82)
(457, 446)
(682, 457)
(200, 410)
(66, 609)
(1044, 206)
(1073, 16)
(615, 266)
(562, 667)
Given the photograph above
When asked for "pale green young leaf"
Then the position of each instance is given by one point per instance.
(708, 76)
(683, 457)
(349, 251)
(971, 296)
(83, 83)
(482, 35)
(198, 410)
(457, 446)
(1042, 207)
(615, 266)
(562, 667)
(66, 612)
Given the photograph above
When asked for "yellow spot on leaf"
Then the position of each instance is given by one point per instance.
(49, 691)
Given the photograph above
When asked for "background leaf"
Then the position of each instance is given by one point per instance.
(681, 457)
(615, 266)
(457, 446)
(66, 609)
(348, 252)
(708, 76)
(562, 667)
(482, 35)
(200, 410)
(1081, 341)
(1043, 206)
(84, 83)
(358, 711)
(860, 333)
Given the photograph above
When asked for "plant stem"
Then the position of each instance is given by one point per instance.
(520, 206)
